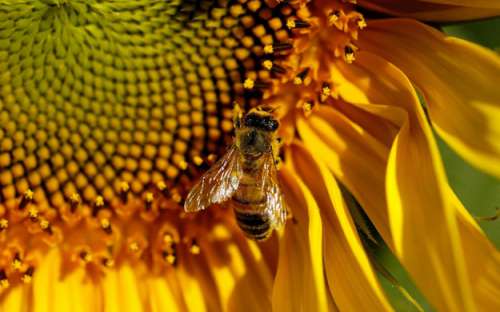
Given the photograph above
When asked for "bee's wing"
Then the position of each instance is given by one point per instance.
(275, 205)
(217, 184)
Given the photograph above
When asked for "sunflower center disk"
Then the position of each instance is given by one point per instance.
(109, 111)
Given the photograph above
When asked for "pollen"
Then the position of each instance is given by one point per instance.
(134, 247)
(361, 23)
(249, 83)
(349, 56)
(197, 160)
(161, 185)
(4, 282)
(28, 194)
(267, 64)
(44, 224)
(33, 213)
(325, 92)
(99, 201)
(195, 249)
(75, 199)
(268, 49)
(307, 108)
(124, 187)
(105, 224)
(149, 197)
(86, 256)
(4, 224)
(168, 239)
(16, 264)
(183, 165)
(27, 278)
(333, 17)
(170, 258)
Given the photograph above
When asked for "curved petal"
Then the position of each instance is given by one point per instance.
(161, 297)
(240, 284)
(485, 281)
(426, 240)
(381, 82)
(436, 10)
(15, 300)
(418, 157)
(353, 283)
(469, 3)
(300, 284)
(52, 292)
(459, 81)
(354, 156)
(128, 287)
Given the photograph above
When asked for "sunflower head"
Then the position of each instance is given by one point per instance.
(111, 110)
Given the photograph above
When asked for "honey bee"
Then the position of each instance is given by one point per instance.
(247, 175)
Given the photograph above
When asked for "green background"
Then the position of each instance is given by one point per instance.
(479, 192)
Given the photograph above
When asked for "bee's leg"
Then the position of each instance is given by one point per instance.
(237, 115)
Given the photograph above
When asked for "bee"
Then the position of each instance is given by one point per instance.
(247, 176)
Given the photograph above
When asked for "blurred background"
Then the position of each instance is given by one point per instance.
(479, 192)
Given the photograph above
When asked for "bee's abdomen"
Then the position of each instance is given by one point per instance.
(255, 225)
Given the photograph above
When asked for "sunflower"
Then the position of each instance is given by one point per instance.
(111, 110)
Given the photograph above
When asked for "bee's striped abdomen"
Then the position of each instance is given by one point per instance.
(249, 203)
(255, 225)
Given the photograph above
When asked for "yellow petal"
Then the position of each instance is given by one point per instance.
(384, 79)
(459, 81)
(300, 284)
(47, 284)
(484, 265)
(111, 292)
(437, 11)
(161, 296)
(425, 220)
(240, 285)
(54, 292)
(354, 156)
(15, 300)
(85, 294)
(353, 283)
(381, 82)
(129, 287)
(469, 3)
(196, 286)
(426, 239)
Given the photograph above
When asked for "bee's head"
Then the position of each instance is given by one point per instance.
(255, 133)
(253, 142)
(261, 121)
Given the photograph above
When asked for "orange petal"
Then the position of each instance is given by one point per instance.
(446, 249)
(439, 10)
(354, 156)
(459, 81)
(353, 283)
(53, 292)
(15, 300)
(485, 262)
(469, 3)
(300, 284)
(240, 284)
(161, 296)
